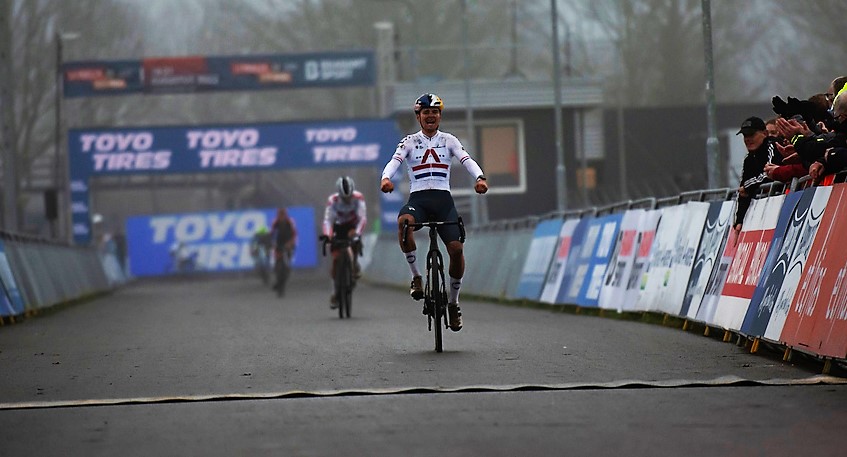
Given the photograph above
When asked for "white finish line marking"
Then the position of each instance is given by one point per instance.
(723, 381)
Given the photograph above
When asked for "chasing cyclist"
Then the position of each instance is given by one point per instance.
(344, 218)
(284, 235)
(428, 155)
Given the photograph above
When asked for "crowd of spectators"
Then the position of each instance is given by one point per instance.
(807, 137)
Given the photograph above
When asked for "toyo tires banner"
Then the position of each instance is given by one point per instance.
(220, 148)
(210, 242)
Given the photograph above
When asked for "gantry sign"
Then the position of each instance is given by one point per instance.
(218, 148)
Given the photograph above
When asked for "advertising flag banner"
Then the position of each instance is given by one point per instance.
(796, 264)
(597, 261)
(537, 263)
(817, 319)
(792, 216)
(718, 221)
(210, 242)
(682, 257)
(620, 265)
(644, 244)
(556, 272)
(746, 268)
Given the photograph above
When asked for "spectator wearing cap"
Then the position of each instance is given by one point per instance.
(761, 150)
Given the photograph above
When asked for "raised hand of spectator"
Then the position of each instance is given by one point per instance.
(786, 151)
(788, 128)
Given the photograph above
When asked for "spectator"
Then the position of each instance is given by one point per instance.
(761, 150)
(834, 156)
(770, 126)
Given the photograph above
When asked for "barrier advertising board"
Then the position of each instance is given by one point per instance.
(709, 304)
(746, 268)
(572, 271)
(718, 221)
(791, 218)
(556, 272)
(817, 319)
(620, 267)
(658, 268)
(682, 257)
(541, 251)
(605, 230)
(210, 242)
(647, 227)
(785, 298)
(11, 302)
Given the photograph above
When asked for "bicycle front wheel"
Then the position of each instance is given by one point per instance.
(436, 297)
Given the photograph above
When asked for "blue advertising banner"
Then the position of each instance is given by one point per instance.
(210, 242)
(541, 251)
(220, 148)
(187, 74)
(11, 302)
(575, 269)
(785, 235)
(606, 228)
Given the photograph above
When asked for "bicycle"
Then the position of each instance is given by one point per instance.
(435, 289)
(282, 269)
(344, 279)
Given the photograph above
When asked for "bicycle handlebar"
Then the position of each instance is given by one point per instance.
(433, 225)
(340, 243)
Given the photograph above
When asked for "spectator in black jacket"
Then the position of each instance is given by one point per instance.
(761, 150)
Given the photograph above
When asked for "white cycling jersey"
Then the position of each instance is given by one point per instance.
(428, 160)
(340, 212)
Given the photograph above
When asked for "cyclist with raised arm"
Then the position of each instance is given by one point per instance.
(344, 218)
(428, 155)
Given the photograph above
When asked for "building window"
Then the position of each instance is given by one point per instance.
(499, 150)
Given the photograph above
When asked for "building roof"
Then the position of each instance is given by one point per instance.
(501, 94)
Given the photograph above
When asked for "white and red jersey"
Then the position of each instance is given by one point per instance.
(352, 212)
(428, 160)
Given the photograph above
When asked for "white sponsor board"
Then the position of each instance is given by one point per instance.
(682, 260)
(659, 267)
(618, 273)
(647, 226)
(711, 247)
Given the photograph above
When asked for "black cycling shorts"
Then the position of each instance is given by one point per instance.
(434, 205)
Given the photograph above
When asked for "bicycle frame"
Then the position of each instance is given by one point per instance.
(435, 291)
(344, 280)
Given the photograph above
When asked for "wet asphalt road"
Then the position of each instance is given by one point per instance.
(220, 366)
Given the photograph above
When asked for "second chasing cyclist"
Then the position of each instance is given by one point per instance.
(428, 155)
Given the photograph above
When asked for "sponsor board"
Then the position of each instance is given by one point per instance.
(817, 319)
(541, 252)
(11, 301)
(792, 287)
(746, 268)
(209, 242)
(683, 253)
(658, 270)
(647, 227)
(556, 272)
(791, 219)
(718, 223)
(620, 265)
(605, 230)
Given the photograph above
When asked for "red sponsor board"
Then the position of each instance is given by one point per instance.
(748, 260)
(174, 71)
(817, 320)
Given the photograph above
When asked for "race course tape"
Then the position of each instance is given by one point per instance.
(723, 381)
